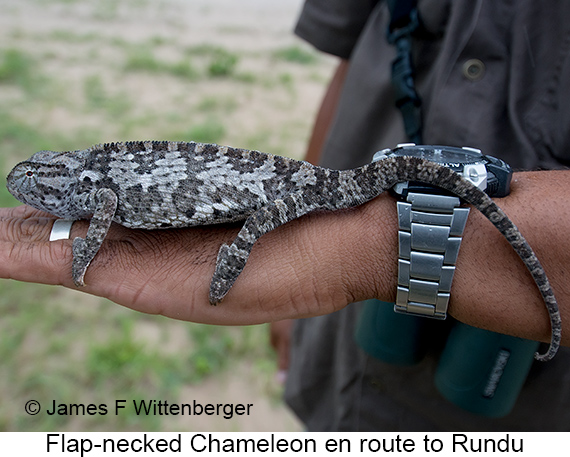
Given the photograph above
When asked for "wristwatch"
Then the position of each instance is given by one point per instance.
(431, 224)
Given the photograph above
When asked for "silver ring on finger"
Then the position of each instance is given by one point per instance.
(61, 229)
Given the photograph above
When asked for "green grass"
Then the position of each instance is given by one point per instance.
(209, 131)
(143, 59)
(183, 69)
(98, 98)
(213, 104)
(211, 348)
(106, 10)
(296, 54)
(220, 61)
(93, 353)
(202, 50)
(16, 67)
(214, 62)
(19, 139)
(71, 37)
(223, 63)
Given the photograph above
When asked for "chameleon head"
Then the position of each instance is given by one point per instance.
(43, 182)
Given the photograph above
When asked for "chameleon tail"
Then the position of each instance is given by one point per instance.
(415, 169)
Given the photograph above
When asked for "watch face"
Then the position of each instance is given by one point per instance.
(446, 155)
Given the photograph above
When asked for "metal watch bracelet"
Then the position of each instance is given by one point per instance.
(430, 231)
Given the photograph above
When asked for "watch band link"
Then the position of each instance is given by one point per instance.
(430, 231)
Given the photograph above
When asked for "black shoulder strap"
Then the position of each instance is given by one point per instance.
(400, 12)
(404, 21)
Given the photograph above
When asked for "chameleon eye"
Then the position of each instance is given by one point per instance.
(29, 173)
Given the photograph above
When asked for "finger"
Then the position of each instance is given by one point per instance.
(24, 224)
(21, 211)
(24, 252)
(42, 261)
(137, 270)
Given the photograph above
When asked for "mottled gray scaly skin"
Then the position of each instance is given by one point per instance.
(162, 184)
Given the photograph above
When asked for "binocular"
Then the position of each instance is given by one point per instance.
(478, 370)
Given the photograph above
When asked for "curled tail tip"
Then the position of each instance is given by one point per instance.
(548, 355)
(556, 338)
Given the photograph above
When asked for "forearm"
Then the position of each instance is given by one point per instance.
(312, 266)
(492, 288)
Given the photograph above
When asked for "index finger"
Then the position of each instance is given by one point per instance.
(26, 254)
(24, 224)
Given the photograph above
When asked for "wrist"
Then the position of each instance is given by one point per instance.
(373, 251)
(492, 288)
(337, 258)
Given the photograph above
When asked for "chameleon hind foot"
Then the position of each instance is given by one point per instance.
(229, 264)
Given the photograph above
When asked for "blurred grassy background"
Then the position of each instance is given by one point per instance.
(78, 72)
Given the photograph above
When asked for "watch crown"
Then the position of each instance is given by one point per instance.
(477, 174)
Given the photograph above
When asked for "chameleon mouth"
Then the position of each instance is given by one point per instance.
(20, 181)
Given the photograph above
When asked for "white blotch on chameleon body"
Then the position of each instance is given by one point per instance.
(220, 171)
(305, 176)
(92, 175)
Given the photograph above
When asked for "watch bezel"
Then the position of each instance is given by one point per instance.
(490, 174)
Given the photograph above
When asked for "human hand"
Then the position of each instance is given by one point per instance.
(299, 270)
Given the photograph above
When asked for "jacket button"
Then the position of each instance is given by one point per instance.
(473, 69)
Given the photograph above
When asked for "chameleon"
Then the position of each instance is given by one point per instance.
(165, 184)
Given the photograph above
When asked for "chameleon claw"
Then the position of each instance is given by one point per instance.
(78, 277)
(78, 267)
(218, 290)
(230, 263)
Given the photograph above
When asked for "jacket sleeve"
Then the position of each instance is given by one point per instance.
(334, 26)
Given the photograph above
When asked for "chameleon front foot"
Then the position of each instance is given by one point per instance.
(77, 268)
(81, 260)
(230, 263)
